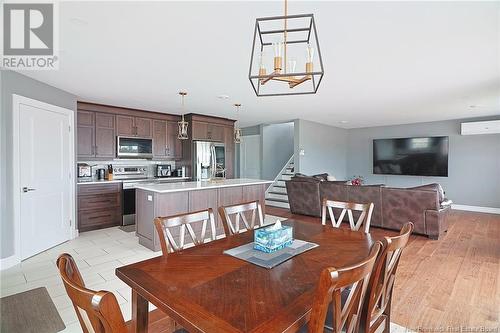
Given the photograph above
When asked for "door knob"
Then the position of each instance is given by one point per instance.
(27, 189)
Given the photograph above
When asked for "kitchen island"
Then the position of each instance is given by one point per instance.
(168, 199)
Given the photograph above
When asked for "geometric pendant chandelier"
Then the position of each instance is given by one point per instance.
(286, 58)
(182, 125)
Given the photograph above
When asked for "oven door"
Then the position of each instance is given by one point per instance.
(128, 207)
(134, 147)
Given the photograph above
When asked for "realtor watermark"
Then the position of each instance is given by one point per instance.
(30, 36)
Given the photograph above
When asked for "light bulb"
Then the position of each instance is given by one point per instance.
(310, 53)
(291, 65)
(261, 60)
(278, 46)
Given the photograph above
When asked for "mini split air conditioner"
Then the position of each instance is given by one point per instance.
(481, 127)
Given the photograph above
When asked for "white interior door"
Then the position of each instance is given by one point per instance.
(44, 178)
(250, 157)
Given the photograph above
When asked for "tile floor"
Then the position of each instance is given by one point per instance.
(97, 254)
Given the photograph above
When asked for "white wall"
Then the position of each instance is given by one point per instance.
(325, 149)
(473, 161)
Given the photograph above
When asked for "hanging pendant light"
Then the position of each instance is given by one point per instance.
(183, 125)
(287, 76)
(237, 130)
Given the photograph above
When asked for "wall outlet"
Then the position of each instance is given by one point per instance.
(302, 152)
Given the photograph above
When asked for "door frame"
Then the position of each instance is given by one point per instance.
(17, 101)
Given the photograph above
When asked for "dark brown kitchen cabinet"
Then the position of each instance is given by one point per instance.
(159, 139)
(134, 126)
(166, 145)
(105, 135)
(95, 135)
(143, 127)
(199, 130)
(85, 134)
(207, 131)
(125, 126)
(174, 145)
(99, 206)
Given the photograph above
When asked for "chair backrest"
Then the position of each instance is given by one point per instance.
(239, 212)
(364, 217)
(332, 282)
(97, 311)
(381, 285)
(176, 225)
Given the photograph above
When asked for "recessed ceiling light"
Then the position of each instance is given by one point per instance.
(78, 21)
(343, 121)
(223, 97)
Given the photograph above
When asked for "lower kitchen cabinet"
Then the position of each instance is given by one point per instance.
(99, 206)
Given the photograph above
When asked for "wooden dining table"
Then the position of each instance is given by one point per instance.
(205, 290)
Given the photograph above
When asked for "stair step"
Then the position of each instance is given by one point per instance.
(285, 177)
(277, 204)
(276, 200)
(277, 196)
(278, 189)
(279, 186)
(287, 174)
(274, 192)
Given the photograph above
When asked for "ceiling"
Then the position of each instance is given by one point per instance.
(385, 62)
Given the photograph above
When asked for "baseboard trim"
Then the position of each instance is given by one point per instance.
(479, 209)
(9, 262)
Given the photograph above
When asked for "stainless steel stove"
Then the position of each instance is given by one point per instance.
(131, 175)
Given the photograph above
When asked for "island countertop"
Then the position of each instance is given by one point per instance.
(199, 185)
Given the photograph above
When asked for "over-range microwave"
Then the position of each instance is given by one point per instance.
(133, 147)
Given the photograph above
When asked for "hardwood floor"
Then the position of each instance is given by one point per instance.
(448, 284)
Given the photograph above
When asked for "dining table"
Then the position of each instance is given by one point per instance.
(205, 290)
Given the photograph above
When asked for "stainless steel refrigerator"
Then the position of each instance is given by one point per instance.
(209, 160)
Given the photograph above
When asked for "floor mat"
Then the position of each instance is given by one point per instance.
(30, 311)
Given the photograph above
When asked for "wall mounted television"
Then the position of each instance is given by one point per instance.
(426, 156)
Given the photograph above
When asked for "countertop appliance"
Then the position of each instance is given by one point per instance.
(101, 174)
(84, 171)
(209, 160)
(132, 147)
(131, 175)
(163, 170)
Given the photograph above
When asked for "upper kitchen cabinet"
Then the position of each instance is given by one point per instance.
(105, 135)
(207, 131)
(174, 145)
(96, 133)
(160, 146)
(134, 126)
(166, 145)
(85, 141)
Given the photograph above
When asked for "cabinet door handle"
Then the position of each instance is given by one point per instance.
(98, 217)
(27, 189)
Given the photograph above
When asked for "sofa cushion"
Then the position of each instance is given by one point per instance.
(304, 178)
(432, 187)
(322, 176)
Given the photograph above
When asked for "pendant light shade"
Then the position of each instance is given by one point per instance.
(182, 125)
(237, 130)
(286, 58)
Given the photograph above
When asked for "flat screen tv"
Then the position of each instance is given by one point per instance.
(411, 156)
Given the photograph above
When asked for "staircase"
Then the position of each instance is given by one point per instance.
(276, 193)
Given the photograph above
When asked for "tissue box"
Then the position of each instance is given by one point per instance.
(269, 241)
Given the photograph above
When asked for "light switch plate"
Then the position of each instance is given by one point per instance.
(150, 197)
(302, 152)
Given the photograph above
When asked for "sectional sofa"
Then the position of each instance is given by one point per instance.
(425, 205)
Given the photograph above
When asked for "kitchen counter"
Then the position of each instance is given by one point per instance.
(144, 180)
(200, 185)
(169, 199)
